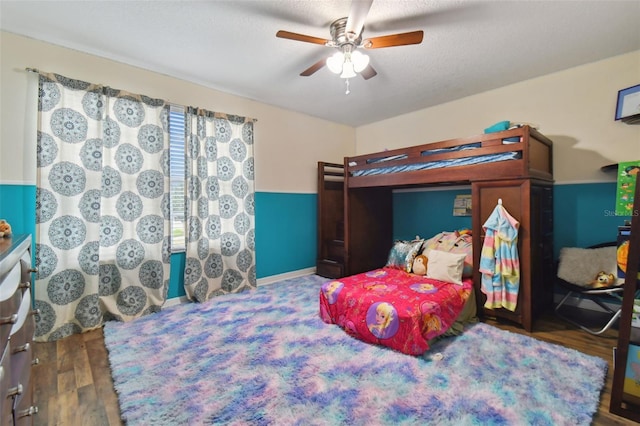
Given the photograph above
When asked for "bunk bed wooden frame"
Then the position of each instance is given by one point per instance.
(524, 184)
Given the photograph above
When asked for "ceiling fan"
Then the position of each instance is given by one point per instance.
(346, 37)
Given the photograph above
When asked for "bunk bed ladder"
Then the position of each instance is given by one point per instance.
(330, 259)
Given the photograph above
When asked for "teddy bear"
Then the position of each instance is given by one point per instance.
(5, 229)
(419, 266)
(603, 279)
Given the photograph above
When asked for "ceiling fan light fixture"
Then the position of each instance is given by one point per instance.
(335, 61)
(346, 36)
(348, 70)
(359, 60)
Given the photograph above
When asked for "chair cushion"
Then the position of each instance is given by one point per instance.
(580, 266)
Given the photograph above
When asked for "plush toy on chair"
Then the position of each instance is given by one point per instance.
(5, 228)
(419, 266)
(603, 279)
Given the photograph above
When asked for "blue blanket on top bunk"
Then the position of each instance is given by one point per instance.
(464, 161)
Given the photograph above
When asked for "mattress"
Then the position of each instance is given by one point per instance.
(393, 308)
(463, 161)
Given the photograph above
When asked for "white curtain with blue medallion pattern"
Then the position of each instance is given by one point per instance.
(102, 206)
(220, 243)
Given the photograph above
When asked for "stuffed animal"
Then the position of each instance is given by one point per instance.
(420, 265)
(5, 228)
(603, 279)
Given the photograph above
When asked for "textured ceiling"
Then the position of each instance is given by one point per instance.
(469, 46)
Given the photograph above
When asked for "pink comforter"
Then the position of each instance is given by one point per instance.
(393, 308)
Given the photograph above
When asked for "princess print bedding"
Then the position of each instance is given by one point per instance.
(393, 308)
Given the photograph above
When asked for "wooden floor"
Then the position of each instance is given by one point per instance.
(73, 383)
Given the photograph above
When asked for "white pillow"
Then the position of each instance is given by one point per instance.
(445, 266)
(580, 266)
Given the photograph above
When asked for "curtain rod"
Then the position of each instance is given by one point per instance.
(35, 70)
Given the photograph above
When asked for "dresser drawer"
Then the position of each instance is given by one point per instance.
(10, 299)
(5, 401)
(26, 269)
(23, 329)
(10, 282)
(21, 378)
(21, 352)
(17, 327)
(329, 269)
(25, 410)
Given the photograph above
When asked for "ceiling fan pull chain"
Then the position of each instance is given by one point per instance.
(348, 89)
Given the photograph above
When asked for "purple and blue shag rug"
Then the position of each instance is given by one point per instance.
(264, 357)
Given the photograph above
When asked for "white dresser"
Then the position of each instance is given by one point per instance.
(17, 326)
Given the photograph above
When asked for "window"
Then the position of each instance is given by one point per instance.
(177, 177)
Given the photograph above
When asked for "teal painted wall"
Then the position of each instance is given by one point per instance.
(285, 230)
(286, 223)
(583, 214)
(426, 213)
(176, 278)
(18, 207)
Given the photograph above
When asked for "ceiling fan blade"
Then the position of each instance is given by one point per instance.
(368, 72)
(446, 15)
(301, 37)
(313, 68)
(357, 15)
(414, 37)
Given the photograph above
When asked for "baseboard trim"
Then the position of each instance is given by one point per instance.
(260, 282)
(577, 302)
(287, 275)
(175, 301)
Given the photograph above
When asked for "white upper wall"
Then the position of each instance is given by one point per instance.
(287, 144)
(575, 108)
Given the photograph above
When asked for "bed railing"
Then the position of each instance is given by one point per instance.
(518, 153)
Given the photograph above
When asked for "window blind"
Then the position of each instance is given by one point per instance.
(177, 176)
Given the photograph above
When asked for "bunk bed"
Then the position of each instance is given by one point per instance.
(514, 166)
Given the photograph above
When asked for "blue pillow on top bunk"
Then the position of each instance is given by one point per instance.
(403, 253)
(498, 127)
